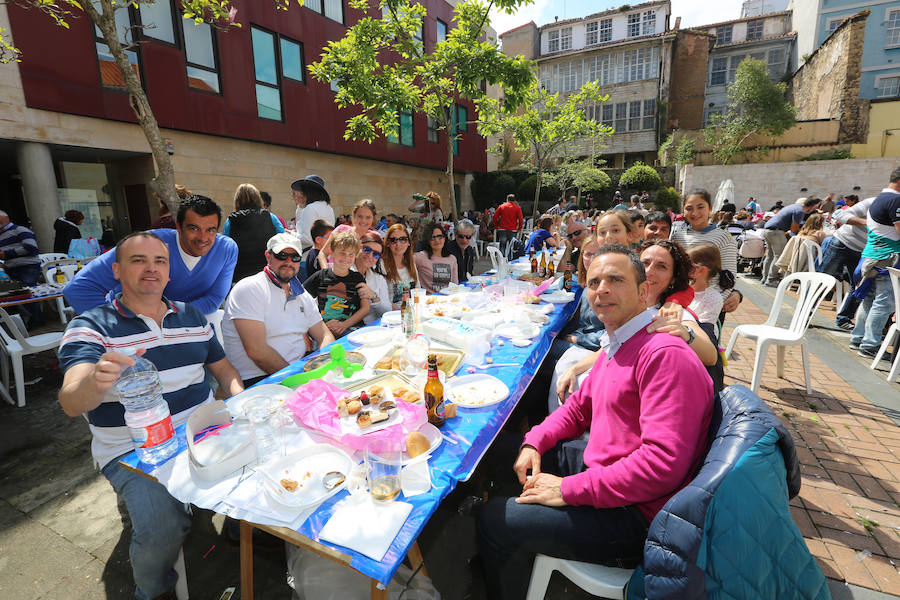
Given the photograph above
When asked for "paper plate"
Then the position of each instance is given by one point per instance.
(306, 468)
(558, 297)
(371, 336)
(477, 391)
(355, 358)
(517, 330)
(434, 436)
(270, 390)
(392, 317)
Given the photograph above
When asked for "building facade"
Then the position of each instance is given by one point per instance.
(236, 106)
(766, 37)
(815, 20)
(628, 52)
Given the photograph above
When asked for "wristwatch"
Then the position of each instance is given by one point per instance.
(691, 335)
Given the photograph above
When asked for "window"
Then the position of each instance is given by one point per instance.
(156, 21)
(649, 114)
(888, 87)
(607, 118)
(441, 31)
(719, 73)
(265, 68)
(634, 115)
(638, 64)
(723, 34)
(433, 131)
(110, 76)
(590, 33)
(605, 31)
(553, 41)
(404, 133)
(893, 29)
(202, 71)
(569, 74)
(291, 59)
(460, 124)
(621, 122)
(775, 62)
(733, 62)
(758, 55)
(333, 9)
(565, 39)
(832, 25)
(607, 69)
(634, 25)
(709, 115)
(649, 26)
(755, 29)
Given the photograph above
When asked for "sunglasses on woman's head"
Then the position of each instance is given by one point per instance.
(394, 240)
(374, 253)
(285, 256)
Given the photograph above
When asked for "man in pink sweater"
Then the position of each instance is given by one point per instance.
(647, 403)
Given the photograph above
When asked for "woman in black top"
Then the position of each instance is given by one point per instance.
(66, 228)
(251, 227)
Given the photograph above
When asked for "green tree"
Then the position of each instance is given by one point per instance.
(667, 198)
(640, 177)
(756, 106)
(102, 13)
(579, 173)
(380, 68)
(685, 151)
(546, 126)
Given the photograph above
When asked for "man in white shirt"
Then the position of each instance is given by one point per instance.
(842, 253)
(268, 315)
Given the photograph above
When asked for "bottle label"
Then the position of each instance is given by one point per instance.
(153, 435)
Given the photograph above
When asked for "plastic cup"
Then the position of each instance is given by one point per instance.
(267, 426)
(383, 470)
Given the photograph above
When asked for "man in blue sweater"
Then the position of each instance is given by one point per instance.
(201, 262)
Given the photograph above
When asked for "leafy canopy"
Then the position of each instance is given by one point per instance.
(640, 177)
(756, 106)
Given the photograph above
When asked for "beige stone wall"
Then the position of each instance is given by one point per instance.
(783, 181)
(215, 166)
(827, 85)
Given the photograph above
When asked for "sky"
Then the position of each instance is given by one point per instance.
(542, 12)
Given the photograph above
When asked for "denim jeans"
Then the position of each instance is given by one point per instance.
(159, 525)
(836, 257)
(872, 315)
(503, 237)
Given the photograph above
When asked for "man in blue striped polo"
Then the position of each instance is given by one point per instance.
(178, 340)
(19, 252)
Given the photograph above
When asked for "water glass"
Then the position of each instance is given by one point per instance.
(383, 469)
(267, 424)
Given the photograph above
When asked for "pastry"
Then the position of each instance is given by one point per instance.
(354, 406)
(387, 405)
(377, 416)
(364, 419)
(416, 444)
(376, 393)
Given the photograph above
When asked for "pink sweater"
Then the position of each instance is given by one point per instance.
(648, 410)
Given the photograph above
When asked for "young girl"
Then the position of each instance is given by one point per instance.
(614, 227)
(706, 268)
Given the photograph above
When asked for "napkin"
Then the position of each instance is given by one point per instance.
(415, 479)
(361, 524)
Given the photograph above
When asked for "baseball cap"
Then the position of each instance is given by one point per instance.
(281, 241)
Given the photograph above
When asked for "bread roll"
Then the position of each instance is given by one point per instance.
(416, 444)
(354, 406)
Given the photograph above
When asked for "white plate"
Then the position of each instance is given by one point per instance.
(558, 297)
(434, 436)
(371, 336)
(348, 423)
(517, 330)
(270, 390)
(477, 391)
(391, 318)
(314, 460)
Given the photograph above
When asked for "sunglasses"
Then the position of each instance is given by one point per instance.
(437, 237)
(375, 253)
(574, 233)
(463, 236)
(398, 240)
(285, 256)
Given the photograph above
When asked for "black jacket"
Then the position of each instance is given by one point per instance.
(465, 262)
(65, 233)
(250, 229)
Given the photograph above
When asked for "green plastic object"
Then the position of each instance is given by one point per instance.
(338, 361)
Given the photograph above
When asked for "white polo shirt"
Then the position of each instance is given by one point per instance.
(257, 298)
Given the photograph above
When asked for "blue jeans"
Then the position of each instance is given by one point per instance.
(503, 237)
(836, 258)
(872, 315)
(159, 525)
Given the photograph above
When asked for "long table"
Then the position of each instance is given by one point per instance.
(473, 431)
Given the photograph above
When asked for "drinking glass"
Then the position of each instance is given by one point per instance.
(383, 469)
(267, 424)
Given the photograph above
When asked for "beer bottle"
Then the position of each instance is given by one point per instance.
(434, 394)
(567, 278)
(534, 264)
(542, 271)
(60, 277)
(408, 319)
(551, 270)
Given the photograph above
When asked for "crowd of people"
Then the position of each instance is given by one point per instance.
(616, 415)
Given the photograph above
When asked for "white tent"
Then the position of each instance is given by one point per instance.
(726, 192)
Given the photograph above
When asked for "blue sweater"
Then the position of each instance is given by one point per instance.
(205, 287)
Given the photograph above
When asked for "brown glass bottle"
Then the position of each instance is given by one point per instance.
(434, 394)
(551, 270)
(567, 279)
(534, 264)
(542, 271)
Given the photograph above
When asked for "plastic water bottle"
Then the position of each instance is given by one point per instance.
(146, 412)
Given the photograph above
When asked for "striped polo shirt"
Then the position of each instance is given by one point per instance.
(19, 246)
(179, 350)
(720, 238)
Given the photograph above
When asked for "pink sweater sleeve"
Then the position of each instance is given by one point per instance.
(675, 406)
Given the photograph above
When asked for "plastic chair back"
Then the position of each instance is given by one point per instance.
(812, 289)
(48, 256)
(813, 255)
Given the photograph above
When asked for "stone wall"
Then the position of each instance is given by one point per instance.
(686, 93)
(768, 182)
(827, 85)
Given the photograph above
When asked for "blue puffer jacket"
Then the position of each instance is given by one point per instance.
(729, 533)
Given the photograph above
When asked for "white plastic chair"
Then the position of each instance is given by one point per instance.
(603, 582)
(48, 256)
(16, 345)
(893, 333)
(813, 287)
(68, 267)
(813, 255)
(477, 243)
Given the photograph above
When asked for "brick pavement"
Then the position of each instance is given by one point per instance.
(848, 509)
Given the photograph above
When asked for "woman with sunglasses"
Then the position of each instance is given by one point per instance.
(436, 266)
(399, 266)
(368, 264)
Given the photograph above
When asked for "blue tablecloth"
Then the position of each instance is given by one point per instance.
(473, 429)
